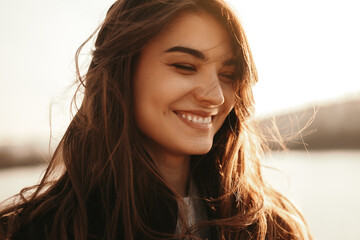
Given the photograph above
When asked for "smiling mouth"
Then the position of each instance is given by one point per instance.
(195, 118)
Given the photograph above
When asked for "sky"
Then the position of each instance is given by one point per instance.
(307, 52)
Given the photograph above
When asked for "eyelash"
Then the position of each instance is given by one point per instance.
(190, 69)
(230, 77)
(184, 67)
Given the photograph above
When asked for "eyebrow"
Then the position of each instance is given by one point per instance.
(230, 62)
(187, 50)
(198, 54)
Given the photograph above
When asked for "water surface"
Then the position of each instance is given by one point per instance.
(324, 185)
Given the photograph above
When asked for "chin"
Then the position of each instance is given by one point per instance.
(200, 149)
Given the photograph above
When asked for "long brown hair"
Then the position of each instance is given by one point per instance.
(103, 156)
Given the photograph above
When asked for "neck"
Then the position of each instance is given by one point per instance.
(175, 171)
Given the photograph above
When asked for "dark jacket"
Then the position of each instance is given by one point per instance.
(161, 216)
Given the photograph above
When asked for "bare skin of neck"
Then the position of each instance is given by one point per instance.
(175, 171)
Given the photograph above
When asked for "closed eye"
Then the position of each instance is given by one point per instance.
(184, 68)
(227, 77)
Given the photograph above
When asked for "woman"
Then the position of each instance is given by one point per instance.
(161, 147)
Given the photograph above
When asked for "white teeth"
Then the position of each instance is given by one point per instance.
(196, 119)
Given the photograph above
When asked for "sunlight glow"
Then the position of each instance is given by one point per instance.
(306, 51)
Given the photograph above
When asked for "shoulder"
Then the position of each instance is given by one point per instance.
(22, 227)
(29, 232)
(284, 221)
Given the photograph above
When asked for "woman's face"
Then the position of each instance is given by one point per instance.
(183, 85)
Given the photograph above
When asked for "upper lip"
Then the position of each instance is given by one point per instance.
(200, 113)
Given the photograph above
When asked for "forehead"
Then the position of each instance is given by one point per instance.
(198, 31)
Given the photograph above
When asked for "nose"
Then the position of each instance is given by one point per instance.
(209, 93)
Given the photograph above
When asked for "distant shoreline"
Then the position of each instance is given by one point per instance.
(335, 127)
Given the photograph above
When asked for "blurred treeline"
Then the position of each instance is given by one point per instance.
(334, 126)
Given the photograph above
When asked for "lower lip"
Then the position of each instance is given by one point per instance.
(200, 126)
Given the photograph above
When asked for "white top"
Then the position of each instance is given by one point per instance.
(194, 210)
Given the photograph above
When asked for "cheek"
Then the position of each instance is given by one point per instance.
(229, 95)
